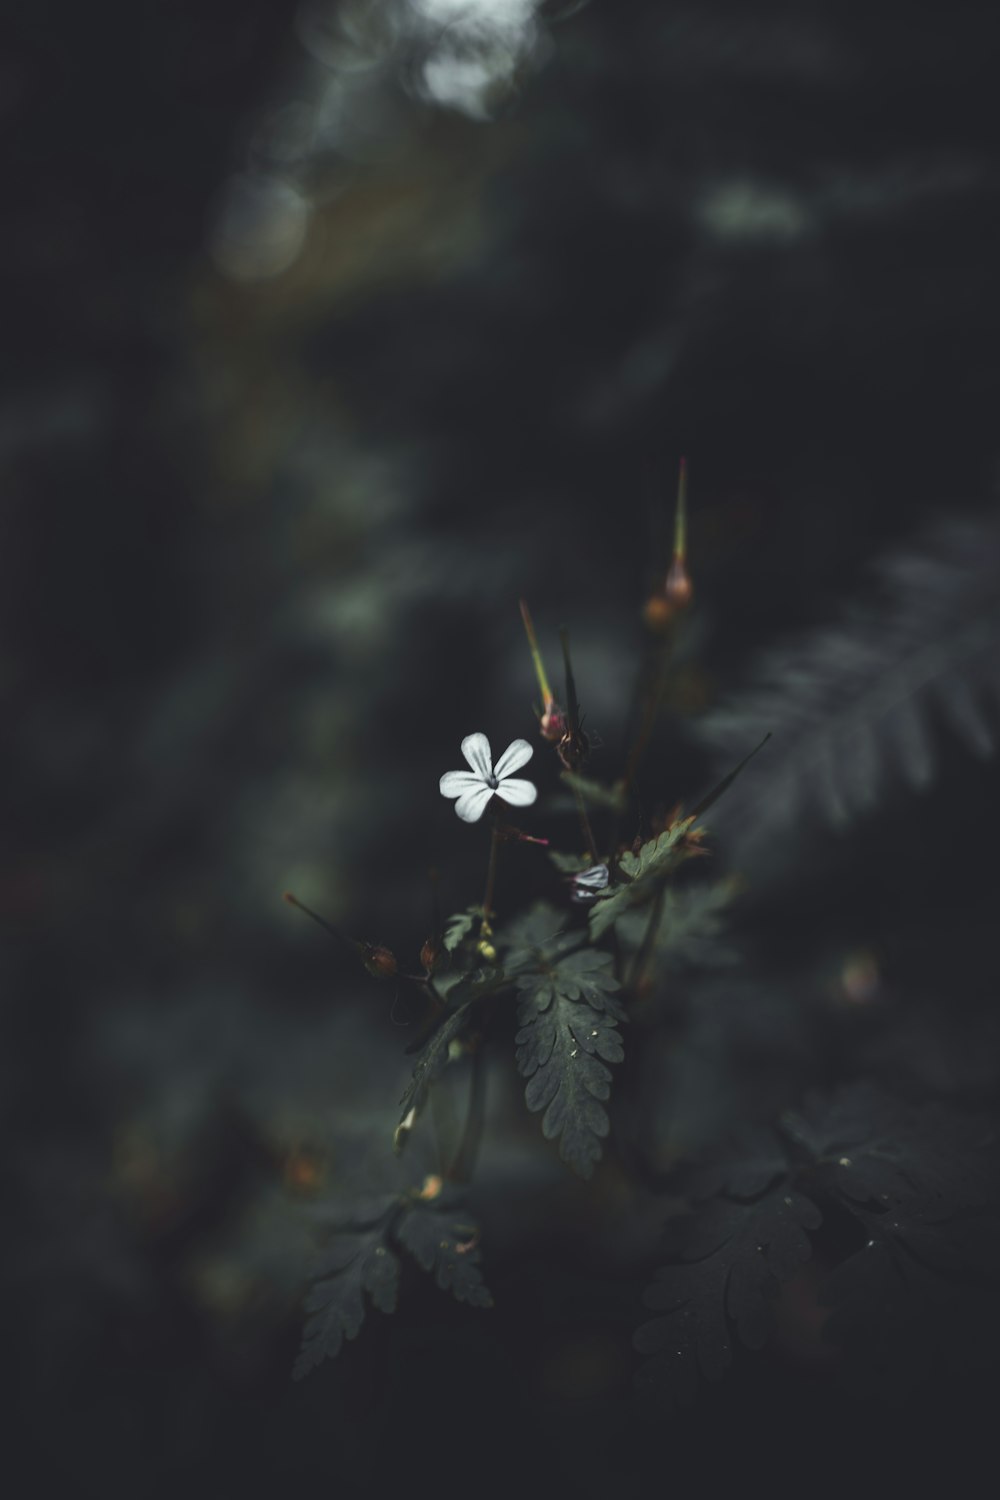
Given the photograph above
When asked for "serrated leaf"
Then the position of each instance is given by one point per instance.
(874, 1148)
(726, 1262)
(688, 931)
(854, 707)
(444, 1241)
(351, 1265)
(458, 927)
(568, 1018)
(432, 1059)
(922, 1183)
(541, 934)
(644, 872)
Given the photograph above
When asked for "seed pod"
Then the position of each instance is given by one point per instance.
(429, 955)
(379, 961)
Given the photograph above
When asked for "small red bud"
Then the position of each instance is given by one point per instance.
(378, 960)
(552, 724)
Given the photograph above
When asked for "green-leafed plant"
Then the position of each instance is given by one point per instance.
(573, 976)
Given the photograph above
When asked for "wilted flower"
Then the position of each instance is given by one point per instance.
(587, 885)
(474, 789)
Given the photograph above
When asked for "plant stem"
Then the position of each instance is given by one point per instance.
(645, 949)
(588, 835)
(491, 873)
(654, 693)
(536, 657)
(464, 1163)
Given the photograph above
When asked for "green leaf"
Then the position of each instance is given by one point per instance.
(458, 927)
(689, 929)
(919, 1296)
(350, 1265)
(645, 872)
(432, 1059)
(569, 864)
(541, 934)
(444, 1241)
(568, 1018)
(726, 1261)
(595, 791)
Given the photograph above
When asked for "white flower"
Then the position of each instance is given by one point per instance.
(475, 788)
(587, 885)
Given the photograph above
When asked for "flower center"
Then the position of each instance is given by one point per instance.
(492, 782)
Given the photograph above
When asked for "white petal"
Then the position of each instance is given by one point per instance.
(516, 755)
(454, 783)
(518, 793)
(472, 804)
(476, 749)
(594, 879)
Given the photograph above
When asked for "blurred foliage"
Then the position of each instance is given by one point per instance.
(333, 330)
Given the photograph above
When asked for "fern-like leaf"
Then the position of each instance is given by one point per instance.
(431, 1060)
(458, 927)
(922, 1294)
(644, 873)
(689, 931)
(854, 706)
(351, 1265)
(568, 1018)
(726, 1261)
(444, 1241)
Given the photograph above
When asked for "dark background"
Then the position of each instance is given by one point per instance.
(264, 531)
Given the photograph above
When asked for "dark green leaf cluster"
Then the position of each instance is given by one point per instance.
(644, 874)
(690, 927)
(726, 1261)
(921, 1187)
(462, 996)
(445, 1242)
(360, 1258)
(923, 1291)
(855, 704)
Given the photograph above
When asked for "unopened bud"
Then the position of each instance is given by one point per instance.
(552, 724)
(378, 960)
(429, 955)
(657, 612)
(431, 1188)
(678, 588)
(484, 947)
